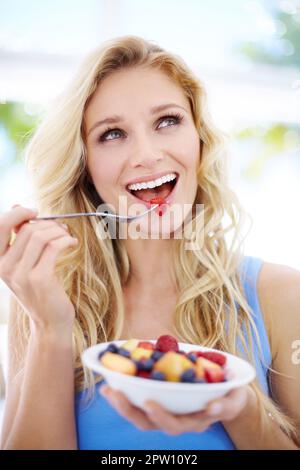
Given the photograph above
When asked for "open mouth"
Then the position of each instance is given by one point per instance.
(162, 191)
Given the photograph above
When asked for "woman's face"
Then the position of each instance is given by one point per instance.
(140, 142)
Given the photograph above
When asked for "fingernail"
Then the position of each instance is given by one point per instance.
(15, 205)
(215, 409)
(149, 408)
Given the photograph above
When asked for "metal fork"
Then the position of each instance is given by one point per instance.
(122, 218)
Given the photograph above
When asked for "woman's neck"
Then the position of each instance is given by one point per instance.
(151, 267)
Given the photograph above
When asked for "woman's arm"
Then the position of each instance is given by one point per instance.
(39, 412)
(244, 430)
(279, 295)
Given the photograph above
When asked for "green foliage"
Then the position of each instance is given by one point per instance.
(18, 124)
(273, 140)
(282, 49)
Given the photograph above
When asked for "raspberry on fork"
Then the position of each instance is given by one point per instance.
(157, 200)
(162, 205)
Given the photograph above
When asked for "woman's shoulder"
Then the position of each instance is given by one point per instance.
(278, 288)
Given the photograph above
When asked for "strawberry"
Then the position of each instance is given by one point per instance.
(167, 343)
(215, 357)
(145, 345)
(214, 375)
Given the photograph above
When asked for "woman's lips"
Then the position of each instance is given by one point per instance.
(168, 199)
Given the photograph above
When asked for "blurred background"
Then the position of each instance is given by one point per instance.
(246, 52)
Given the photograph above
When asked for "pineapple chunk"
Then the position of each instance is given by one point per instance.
(131, 344)
(118, 363)
(139, 353)
(173, 365)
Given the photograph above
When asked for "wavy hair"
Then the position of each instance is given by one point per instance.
(211, 309)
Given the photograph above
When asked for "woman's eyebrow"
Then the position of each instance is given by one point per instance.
(115, 118)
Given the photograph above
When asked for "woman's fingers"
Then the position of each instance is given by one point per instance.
(126, 409)
(231, 405)
(228, 407)
(11, 219)
(157, 417)
(177, 424)
(15, 252)
(36, 245)
(46, 264)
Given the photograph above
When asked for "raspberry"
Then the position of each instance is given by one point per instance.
(157, 200)
(167, 343)
(144, 374)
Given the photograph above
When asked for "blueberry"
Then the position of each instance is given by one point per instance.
(199, 381)
(101, 354)
(156, 355)
(192, 357)
(156, 375)
(112, 348)
(188, 375)
(124, 352)
(139, 365)
(145, 365)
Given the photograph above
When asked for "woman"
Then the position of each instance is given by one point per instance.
(137, 111)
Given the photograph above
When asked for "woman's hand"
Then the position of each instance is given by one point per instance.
(226, 408)
(27, 266)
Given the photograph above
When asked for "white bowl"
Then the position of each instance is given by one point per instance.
(177, 397)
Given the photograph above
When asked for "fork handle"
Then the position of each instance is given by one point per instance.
(95, 214)
(70, 216)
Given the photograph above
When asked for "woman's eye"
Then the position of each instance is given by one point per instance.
(109, 132)
(176, 119)
(106, 136)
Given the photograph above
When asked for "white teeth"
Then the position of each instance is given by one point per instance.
(153, 183)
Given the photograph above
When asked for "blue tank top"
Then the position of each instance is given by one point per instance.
(99, 426)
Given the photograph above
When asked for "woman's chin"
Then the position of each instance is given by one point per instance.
(157, 227)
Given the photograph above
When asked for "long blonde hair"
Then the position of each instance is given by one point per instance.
(93, 273)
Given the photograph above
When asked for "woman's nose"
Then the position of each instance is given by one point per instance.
(149, 161)
(143, 154)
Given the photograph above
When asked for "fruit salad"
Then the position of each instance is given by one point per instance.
(164, 361)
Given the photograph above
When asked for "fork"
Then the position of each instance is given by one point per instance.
(122, 218)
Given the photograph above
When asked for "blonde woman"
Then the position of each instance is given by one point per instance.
(135, 111)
